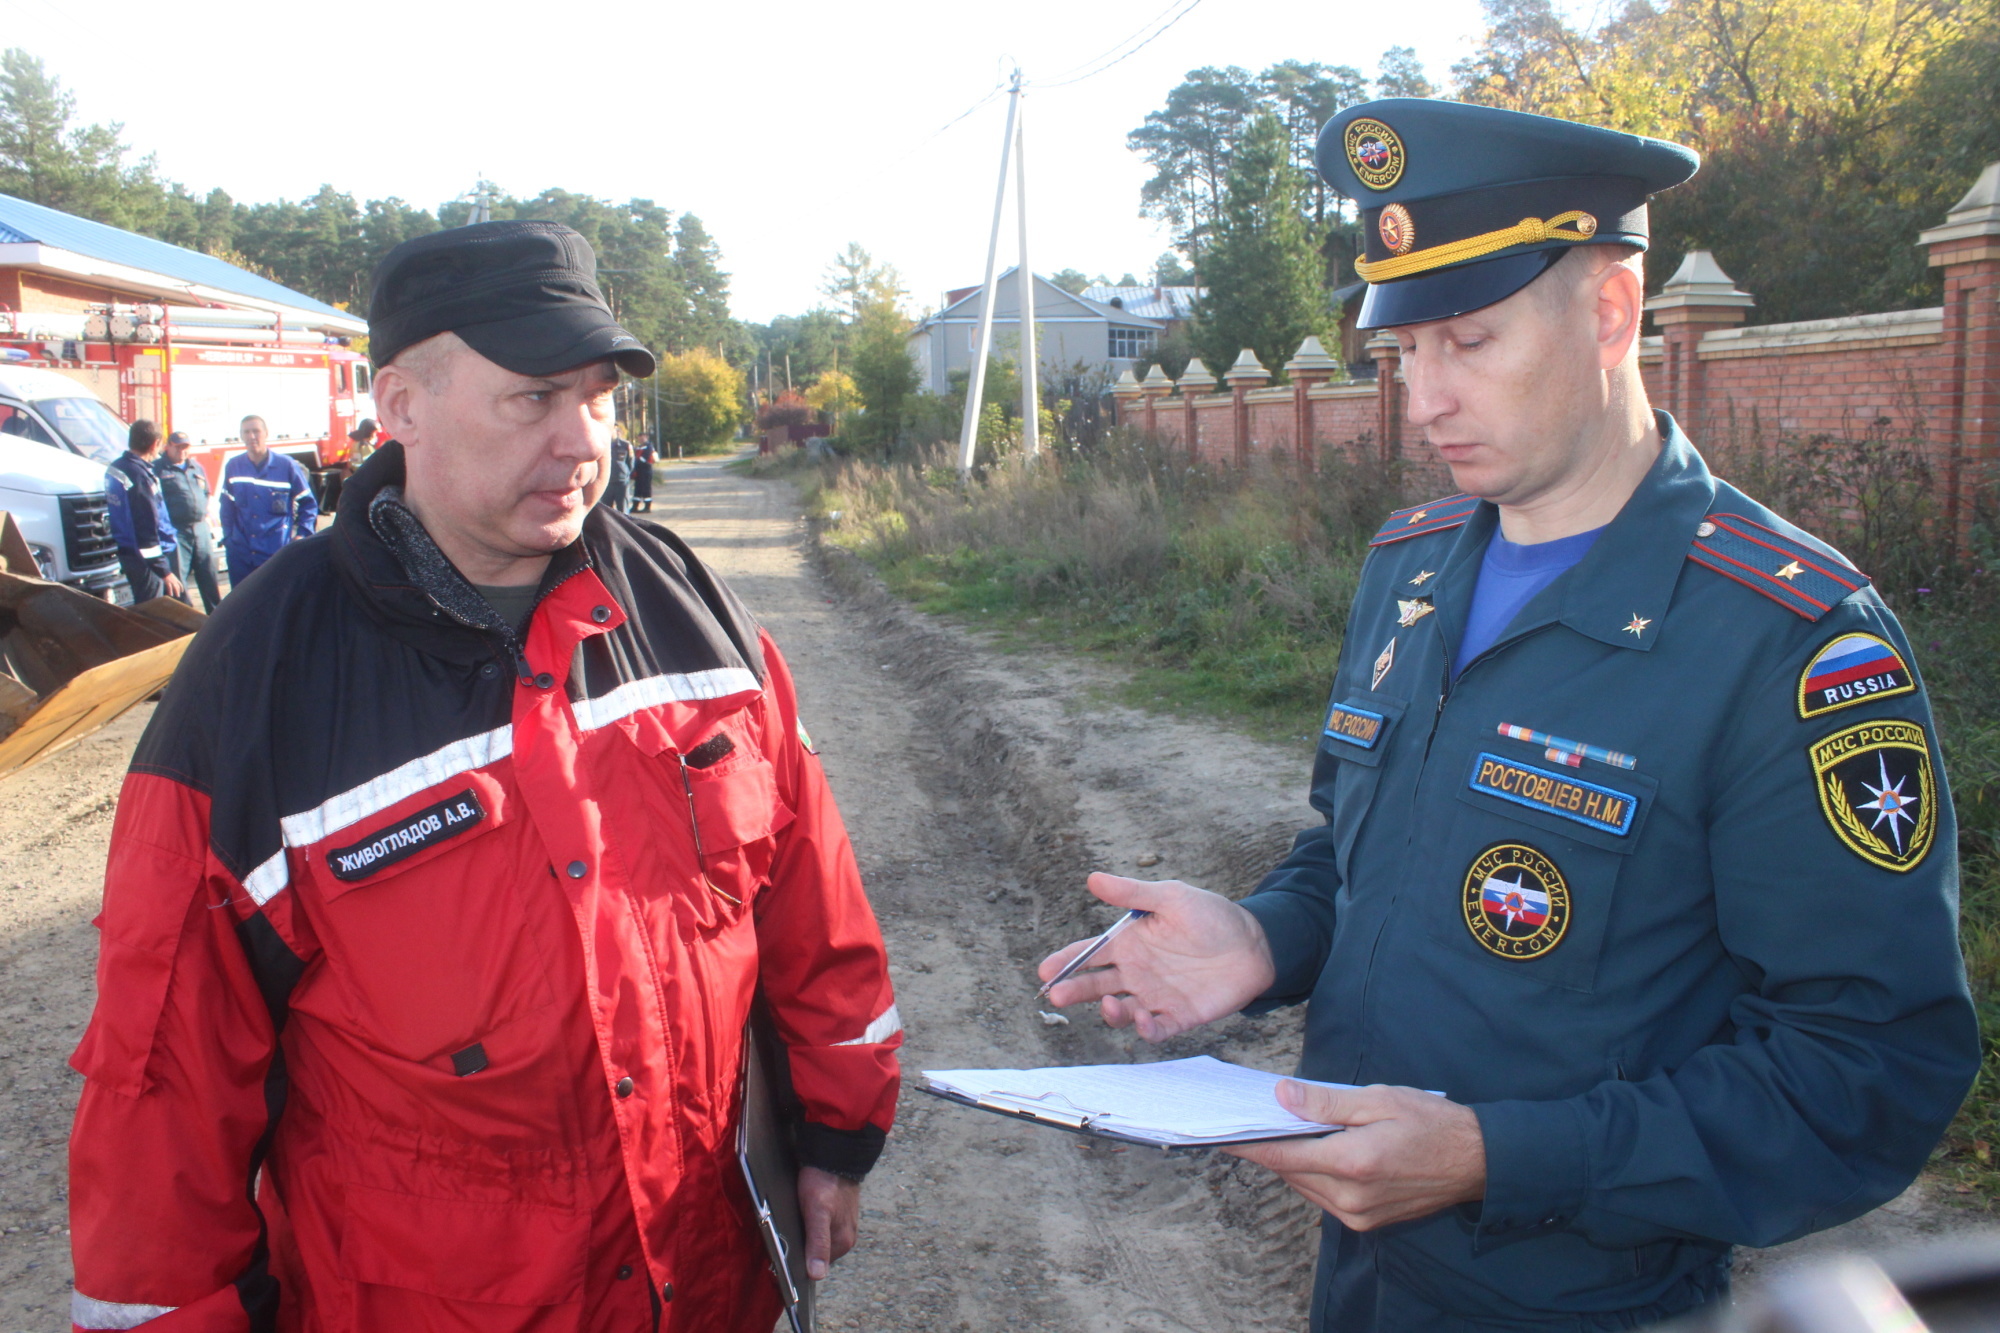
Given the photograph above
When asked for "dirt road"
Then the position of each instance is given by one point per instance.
(979, 786)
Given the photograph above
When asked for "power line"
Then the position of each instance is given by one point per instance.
(994, 92)
(1149, 39)
(1122, 43)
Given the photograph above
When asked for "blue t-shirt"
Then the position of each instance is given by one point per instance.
(1509, 578)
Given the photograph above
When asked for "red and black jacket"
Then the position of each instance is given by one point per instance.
(428, 946)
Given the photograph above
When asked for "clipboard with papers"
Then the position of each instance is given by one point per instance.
(1175, 1105)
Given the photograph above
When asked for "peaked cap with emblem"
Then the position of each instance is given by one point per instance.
(1464, 205)
(523, 294)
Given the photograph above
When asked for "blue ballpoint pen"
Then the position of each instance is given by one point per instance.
(1089, 952)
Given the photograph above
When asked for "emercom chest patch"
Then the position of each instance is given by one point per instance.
(1852, 669)
(1356, 726)
(1601, 808)
(1878, 792)
(426, 828)
(1516, 901)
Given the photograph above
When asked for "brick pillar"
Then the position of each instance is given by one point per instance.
(1124, 394)
(1387, 354)
(1967, 248)
(1248, 373)
(1308, 367)
(1195, 381)
(1155, 386)
(1698, 298)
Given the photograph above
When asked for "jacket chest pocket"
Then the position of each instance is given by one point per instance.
(1531, 866)
(727, 815)
(420, 909)
(1354, 740)
(735, 814)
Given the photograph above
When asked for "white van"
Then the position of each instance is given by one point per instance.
(55, 442)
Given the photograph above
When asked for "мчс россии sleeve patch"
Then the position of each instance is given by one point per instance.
(1878, 791)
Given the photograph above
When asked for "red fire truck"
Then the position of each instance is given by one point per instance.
(202, 369)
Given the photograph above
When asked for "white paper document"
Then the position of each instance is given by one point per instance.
(1173, 1103)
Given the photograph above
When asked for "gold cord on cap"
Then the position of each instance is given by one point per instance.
(1528, 231)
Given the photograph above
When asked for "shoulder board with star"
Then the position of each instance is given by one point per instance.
(1419, 520)
(1798, 577)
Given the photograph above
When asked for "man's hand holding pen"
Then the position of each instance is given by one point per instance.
(1195, 957)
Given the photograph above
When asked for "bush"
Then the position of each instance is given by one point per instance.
(786, 410)
(701, 400)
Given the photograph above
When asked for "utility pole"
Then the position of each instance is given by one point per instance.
(968, 438)
(1031, 401)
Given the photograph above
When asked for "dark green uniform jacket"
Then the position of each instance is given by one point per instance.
(1664, 886)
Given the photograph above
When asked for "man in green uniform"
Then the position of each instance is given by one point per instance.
(1636, 843)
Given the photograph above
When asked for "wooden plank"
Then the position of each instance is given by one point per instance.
(88, 702)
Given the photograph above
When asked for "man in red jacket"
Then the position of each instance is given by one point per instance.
(445, 877)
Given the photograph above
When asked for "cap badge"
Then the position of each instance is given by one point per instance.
(1398, 231)
(1375, 153)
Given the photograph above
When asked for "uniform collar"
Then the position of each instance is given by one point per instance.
(1620, 591)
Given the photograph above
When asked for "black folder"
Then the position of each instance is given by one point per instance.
(770, 1167)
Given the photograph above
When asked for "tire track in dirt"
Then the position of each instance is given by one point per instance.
(979, 795)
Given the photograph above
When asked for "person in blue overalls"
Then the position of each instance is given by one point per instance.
(1634, 838)
(266, 501)
(140, 524)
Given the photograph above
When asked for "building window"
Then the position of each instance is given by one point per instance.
(1130, 344)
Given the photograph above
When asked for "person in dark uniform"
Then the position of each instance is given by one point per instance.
(360, 444)
(642, 475)
(184, 487)
(1635, 843)
(140, 524)
(616, 495)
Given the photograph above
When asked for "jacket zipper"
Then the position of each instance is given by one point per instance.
(1416, 795)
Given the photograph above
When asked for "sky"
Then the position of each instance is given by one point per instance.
(790, 129)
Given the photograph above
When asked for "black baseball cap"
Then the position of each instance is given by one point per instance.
(523, 295)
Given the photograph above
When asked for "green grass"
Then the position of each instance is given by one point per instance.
(1224, 596)
(1956, 634)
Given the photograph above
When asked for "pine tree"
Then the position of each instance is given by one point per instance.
(1262, 270)
(42, 159)
(705, 284)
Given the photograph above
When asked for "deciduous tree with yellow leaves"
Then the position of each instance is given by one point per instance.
(1833, 130)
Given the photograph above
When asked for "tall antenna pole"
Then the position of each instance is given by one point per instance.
(1031, 401)
(968, 438)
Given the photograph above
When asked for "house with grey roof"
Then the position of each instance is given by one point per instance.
(1170, 305)
(1114, 333)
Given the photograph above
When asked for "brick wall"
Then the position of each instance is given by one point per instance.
(1931, 375)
